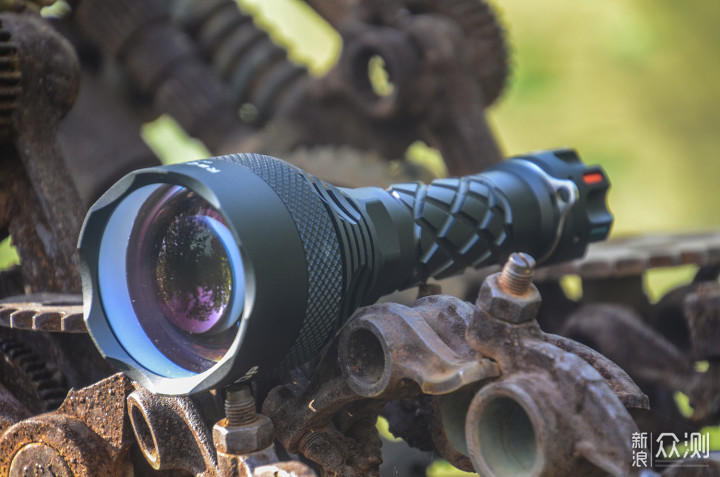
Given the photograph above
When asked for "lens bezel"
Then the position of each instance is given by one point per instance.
(158, 344)
(272, 257)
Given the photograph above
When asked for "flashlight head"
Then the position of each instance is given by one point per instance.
(171, 258)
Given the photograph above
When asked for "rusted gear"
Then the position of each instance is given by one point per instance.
(38, 387)
(9, 81)
(89, 434)
(632, 256)
(43, 312)
(486, 39)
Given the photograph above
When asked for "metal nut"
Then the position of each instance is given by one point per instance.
(508, 307)
(244, 439)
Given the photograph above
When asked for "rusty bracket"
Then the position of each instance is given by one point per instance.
(385, 352)
(481, 364)
(39, 203)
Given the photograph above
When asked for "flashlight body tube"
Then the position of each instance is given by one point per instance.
(310, 254)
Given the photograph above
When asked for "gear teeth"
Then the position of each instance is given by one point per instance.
(46, 392)
(61, 313)
(10, 77)
(485, 35)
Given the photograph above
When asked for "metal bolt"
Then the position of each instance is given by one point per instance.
(517, 274)
(240, 406)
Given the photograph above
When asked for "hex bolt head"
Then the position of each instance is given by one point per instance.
(243, 430)
(517, 274)
(510, 296)
(245, 439)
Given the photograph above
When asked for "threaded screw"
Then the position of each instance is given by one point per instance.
(240, 406)
(517, 274)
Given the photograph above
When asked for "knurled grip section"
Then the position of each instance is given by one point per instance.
(322, 251)
(459, 223)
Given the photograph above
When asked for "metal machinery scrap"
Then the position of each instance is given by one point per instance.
(502, 384)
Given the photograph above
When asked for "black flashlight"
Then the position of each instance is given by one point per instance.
(210, 272)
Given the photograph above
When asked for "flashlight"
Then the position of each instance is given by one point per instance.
(201, 274)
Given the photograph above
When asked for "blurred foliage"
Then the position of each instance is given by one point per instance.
(167, 139)
(8, 254)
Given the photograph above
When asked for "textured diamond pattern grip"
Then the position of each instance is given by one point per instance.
(459, 223)
(322, 251)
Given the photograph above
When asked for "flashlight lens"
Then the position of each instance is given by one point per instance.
(182, 299)
(193, 279)
(178, 258)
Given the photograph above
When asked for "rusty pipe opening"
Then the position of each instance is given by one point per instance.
(143, 433)
(506, 437)
(504, 432)
(379, 65)
(365, 356)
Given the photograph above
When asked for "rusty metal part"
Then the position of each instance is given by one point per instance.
(374, 349)
(247, 438)
(702, 310)
(37, 193)
(257, 71)
(243, 431)
(433, 97)
(11, 410)
(517, 274)
(39, 385)
(599, 327)
(102, 408)
(263, 463)
(52, 441)
(632, 256)
(485, 36)
(411, 418)
(485, 40)
(509, 306)
(10, 82)
(386, 352)
(172, 433)
(11, 281)
(164, 64)
(43, 312)
(240, 406)
(244, 439)
(87, 435)
(658, 367)
(654, 343)
(520, 422)
(452, 350)
(284, 469)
